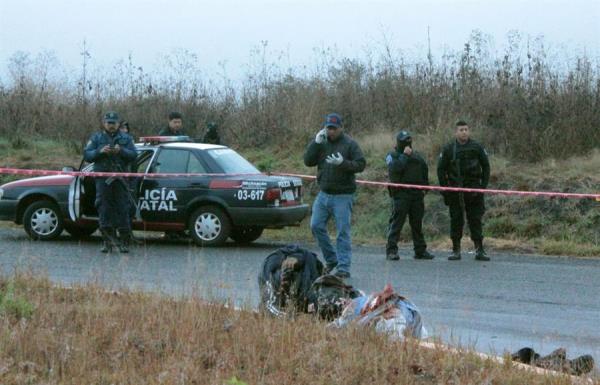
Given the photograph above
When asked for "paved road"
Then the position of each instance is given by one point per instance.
(511, 302)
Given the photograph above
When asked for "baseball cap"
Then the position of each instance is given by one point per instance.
(111, 117)
(403, 136)
(333, 120)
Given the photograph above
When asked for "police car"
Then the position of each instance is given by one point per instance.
(210, 208)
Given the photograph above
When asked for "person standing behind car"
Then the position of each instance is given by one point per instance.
(111, 151)
(175, 126)
(212, 135)
(406, 166)
(464, 163)
(337, 157)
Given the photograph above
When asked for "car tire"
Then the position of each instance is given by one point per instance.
(246, 234)
(209, 226)
(79, 232)
(43, 221)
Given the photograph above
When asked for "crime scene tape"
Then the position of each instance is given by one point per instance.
(463, 189)
(29, 172)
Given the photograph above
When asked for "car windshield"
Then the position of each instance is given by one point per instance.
(232, 162)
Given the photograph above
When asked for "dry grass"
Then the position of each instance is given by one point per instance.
(84, 335)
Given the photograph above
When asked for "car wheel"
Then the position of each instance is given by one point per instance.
(246, 234)
(80, 232)
(42, 220)
(209, 226)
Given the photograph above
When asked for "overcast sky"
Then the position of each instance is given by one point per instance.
(226, 31)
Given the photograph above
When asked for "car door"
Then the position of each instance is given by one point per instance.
(164, 199)
(82, 191)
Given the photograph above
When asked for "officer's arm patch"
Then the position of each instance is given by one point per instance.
(388, 159)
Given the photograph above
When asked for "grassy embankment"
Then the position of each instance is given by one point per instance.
(537, 225)
(85, 335)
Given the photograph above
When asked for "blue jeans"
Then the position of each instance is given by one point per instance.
(339, 207)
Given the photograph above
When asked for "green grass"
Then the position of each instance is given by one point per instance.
(13, 305)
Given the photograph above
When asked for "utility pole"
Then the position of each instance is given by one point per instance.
(85, 56)
(429, 57)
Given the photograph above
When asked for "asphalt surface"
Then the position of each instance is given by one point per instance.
(503, 305)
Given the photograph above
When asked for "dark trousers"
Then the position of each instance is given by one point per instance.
(132, 185)
(112, 204)
(474, 207)
(412, 205)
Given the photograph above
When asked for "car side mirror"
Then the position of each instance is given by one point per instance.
(68, 169)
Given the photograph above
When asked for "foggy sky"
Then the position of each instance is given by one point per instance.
(227, 31)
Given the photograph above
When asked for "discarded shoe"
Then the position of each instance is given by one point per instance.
(557, 360)
(581, 365)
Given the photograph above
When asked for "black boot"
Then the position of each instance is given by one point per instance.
(424, 255)
(455, 256)
(329, 268)
(480, 254)
(124, 240)
(107, 243)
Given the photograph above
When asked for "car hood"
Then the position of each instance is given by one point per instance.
(54, 180)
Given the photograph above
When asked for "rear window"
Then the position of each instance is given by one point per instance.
(177, 161)
(232, 162)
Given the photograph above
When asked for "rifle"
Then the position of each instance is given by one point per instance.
(460, 178)
(116, 166)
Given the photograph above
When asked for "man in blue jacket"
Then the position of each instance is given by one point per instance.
(337, 157)
(112, 151)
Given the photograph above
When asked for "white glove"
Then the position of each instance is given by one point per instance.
(321, 136)
(335, 159)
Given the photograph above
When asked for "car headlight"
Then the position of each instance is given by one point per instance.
(1, 193)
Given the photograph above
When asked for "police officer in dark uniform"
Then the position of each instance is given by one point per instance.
(408, 167)
(464, 163)
(212, 135)
(175, 127)
(131, 182)
(112, 151)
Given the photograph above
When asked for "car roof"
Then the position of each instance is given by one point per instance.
(187, 145)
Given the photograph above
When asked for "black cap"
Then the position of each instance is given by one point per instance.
(403, 136)
(111, 117)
